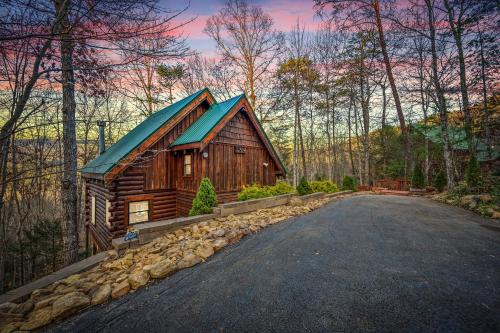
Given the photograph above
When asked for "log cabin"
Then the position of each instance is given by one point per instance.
(153, 172)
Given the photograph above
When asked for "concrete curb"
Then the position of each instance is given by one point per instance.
(336, 194)
(151, 230)
(240, 207)
(312, 196)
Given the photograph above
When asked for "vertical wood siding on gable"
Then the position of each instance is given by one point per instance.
(228, 170)
(159, 163)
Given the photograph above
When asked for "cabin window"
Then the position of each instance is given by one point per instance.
(108, 213)
(138, 211)
(92, 209)
(187, 165)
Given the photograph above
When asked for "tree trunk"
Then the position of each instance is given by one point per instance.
(69, 188)
(360, 165)
(349, 129)
(328, 135)
(384, 120)
(301, 138)
(392, 83)
(424, 110)
(251, 86)
(366, 124)
(334, 139)
(443, 115)
(295, 156)
(456, 30)
(299, 125)
(486, 111)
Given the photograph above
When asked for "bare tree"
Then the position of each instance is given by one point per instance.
(244, 34)
(142, 57)
(367, 12)
(49, 45)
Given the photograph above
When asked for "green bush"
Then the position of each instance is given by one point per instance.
(253, 191)
(417, 180)
(256, 191)
(323, 186)
(440, 181)
(280, 188)
(459, 190)
(473, 173)
(349, 183)
(205, 199)
(304, 188)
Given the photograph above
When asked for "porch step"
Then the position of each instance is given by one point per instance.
(389, 192)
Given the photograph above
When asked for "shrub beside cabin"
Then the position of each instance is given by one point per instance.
(154, 171)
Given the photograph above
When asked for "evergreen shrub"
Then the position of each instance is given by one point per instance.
(205, 199)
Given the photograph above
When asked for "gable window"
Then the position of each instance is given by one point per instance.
(138, 211)
(92, 209)
(187, 165)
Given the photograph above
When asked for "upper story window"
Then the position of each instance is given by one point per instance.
(187, 165)
(138, 211)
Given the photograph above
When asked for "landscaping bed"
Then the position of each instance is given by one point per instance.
(122, 274)
(482, 204)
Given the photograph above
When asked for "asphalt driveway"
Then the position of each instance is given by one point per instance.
(366, 263)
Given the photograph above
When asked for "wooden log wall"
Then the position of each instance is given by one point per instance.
(100, 231)
(184, 202)
(129, 187)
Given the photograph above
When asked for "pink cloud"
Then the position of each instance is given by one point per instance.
(283, 12)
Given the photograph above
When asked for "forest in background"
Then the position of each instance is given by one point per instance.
(381, 90)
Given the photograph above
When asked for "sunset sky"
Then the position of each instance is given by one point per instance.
(283, 12)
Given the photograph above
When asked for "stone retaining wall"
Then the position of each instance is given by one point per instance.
(22, 292)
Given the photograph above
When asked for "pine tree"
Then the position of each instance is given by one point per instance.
(348, 183)
(205, 199)
(472, 174)
(440, 181)
(418, 181)
(304, 188)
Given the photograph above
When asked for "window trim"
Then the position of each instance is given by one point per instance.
(135, 198)
(108, 213)
(190, 165)
(92, 209)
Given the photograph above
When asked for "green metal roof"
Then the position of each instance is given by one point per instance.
(114, 154)
(201, 127)
(458, 139)
(194, 133)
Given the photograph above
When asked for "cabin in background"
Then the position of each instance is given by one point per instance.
(153, 172)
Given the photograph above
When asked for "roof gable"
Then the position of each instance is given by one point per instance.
(119, 150)
(199, 134)
(116, 157)
(204, 125)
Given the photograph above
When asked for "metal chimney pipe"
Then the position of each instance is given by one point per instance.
(102, 143)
